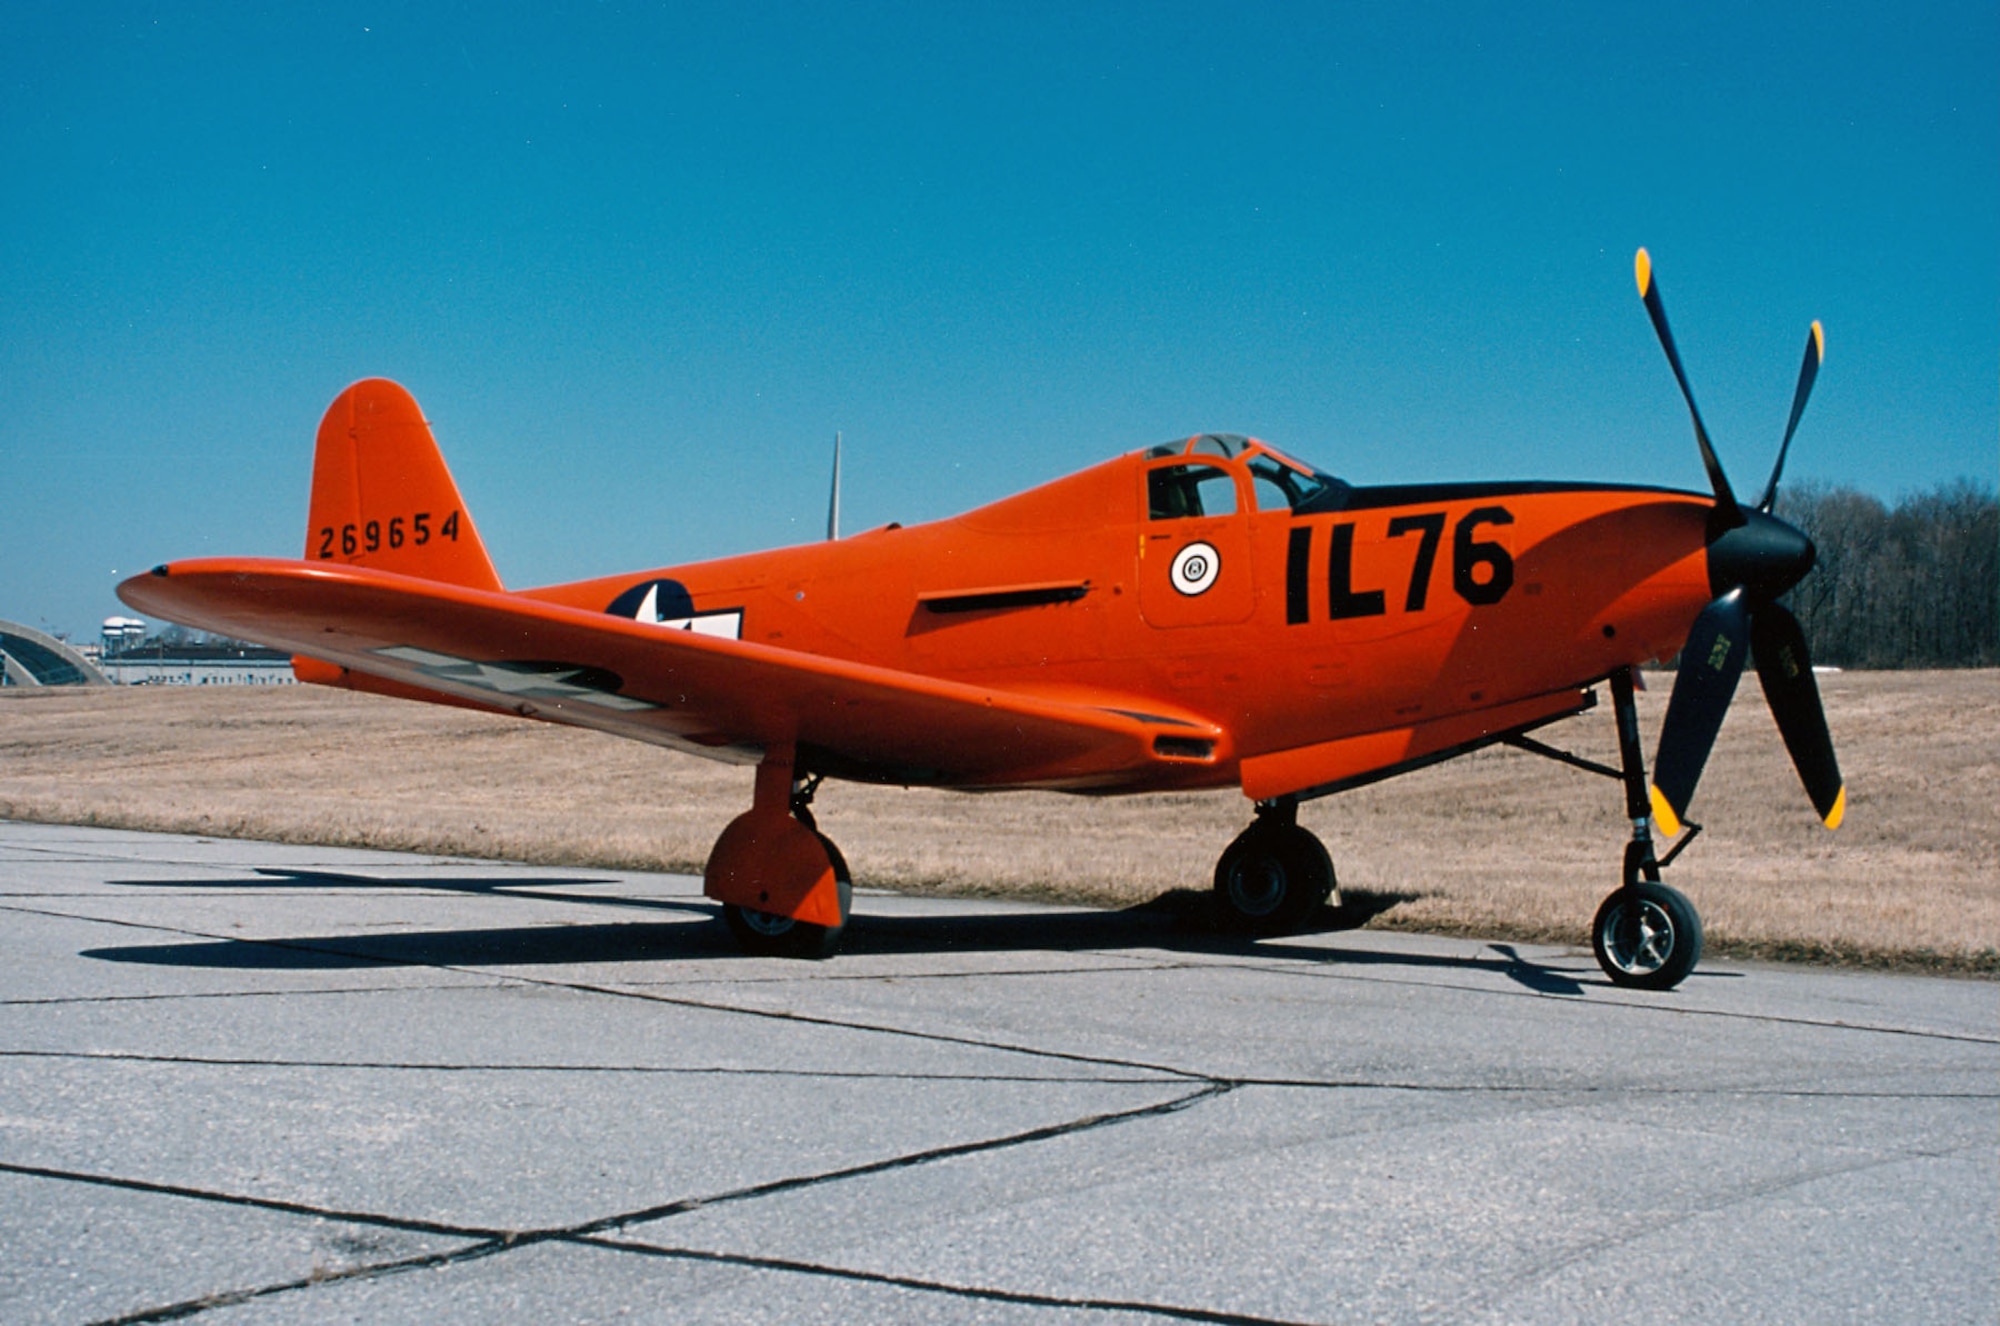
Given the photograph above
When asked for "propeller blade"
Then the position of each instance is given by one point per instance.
(1711, 662)
(1785, 668)
(1728, 515)
(1809, 370)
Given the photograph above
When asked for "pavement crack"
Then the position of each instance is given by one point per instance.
(682, 1070)
(1273, 967)
(879, 1029)
(404, 1224)
(1289, 966)
(1615, 1089)
(484, 1242)
(1098, 1061)
(1565, 1090)
(244, 994)
(1048, 1132)
(616, 992)
(980, 1293)
(373, 1271)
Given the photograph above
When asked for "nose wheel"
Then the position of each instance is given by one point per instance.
(1647, 936)
(1275, 875)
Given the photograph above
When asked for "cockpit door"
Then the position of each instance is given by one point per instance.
(1194, 545)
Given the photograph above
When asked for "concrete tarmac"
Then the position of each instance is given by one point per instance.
(247, 1083)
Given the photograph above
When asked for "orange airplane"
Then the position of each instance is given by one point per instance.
(1208, 613)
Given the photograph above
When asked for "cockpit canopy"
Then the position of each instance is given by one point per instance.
(1279, 481)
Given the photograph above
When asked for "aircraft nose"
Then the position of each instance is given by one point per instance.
(1764, 555)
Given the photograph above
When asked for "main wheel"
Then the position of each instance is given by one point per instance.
(767, 935)
(1647, 936)
(1272, 878)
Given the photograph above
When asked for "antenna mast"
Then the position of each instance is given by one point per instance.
(833, 500)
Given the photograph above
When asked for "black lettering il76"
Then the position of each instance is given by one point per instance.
(372, 535)
(1481, 570)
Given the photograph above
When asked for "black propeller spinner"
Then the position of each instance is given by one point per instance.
(1753, 557)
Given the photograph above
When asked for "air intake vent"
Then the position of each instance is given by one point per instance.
(1183, 748)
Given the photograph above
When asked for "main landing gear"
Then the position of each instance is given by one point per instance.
(783, 885)
(1275, 874)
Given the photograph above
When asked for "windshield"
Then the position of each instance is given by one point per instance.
(1280, 482)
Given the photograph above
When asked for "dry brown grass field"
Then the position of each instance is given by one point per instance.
(1499, 844)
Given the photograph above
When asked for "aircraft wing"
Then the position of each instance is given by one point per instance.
(719, 697)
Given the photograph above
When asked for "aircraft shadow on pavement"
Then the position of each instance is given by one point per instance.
(1180, 921)
(534, 887)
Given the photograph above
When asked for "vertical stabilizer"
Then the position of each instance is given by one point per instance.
(382, 497)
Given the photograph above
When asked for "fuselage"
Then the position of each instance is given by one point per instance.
(1184, 581)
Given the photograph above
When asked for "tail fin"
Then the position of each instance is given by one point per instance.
(382, 497)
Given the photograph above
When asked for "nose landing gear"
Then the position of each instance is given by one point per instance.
(1645, 935)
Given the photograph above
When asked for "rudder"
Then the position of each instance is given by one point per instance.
(382, 497)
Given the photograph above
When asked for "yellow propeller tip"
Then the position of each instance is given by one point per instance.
(1663, 814)
(1642, 268)
(1839, 811)
(1819, 341)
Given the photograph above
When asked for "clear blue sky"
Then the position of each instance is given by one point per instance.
(639, 262)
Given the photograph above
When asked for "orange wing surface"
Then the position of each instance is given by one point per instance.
(716, 696)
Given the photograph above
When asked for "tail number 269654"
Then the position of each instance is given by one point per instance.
(370, 536)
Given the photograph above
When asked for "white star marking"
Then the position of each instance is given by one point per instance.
(499, 678)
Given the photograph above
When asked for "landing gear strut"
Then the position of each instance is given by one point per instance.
(1275, 874)
(1646, 935)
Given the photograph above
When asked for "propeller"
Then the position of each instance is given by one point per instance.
(1727, 514)
(1808, 372)
(1753, 557)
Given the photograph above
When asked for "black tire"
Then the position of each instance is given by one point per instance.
(1654, 950)
(765, 935)
(1272, 878)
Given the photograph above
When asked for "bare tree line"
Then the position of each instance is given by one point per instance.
(1914, 585)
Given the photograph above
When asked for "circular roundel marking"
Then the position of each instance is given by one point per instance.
(1195, 568)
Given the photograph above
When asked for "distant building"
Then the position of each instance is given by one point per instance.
(214, 663)
(124, 656)
(120, 634)
(32, 658)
